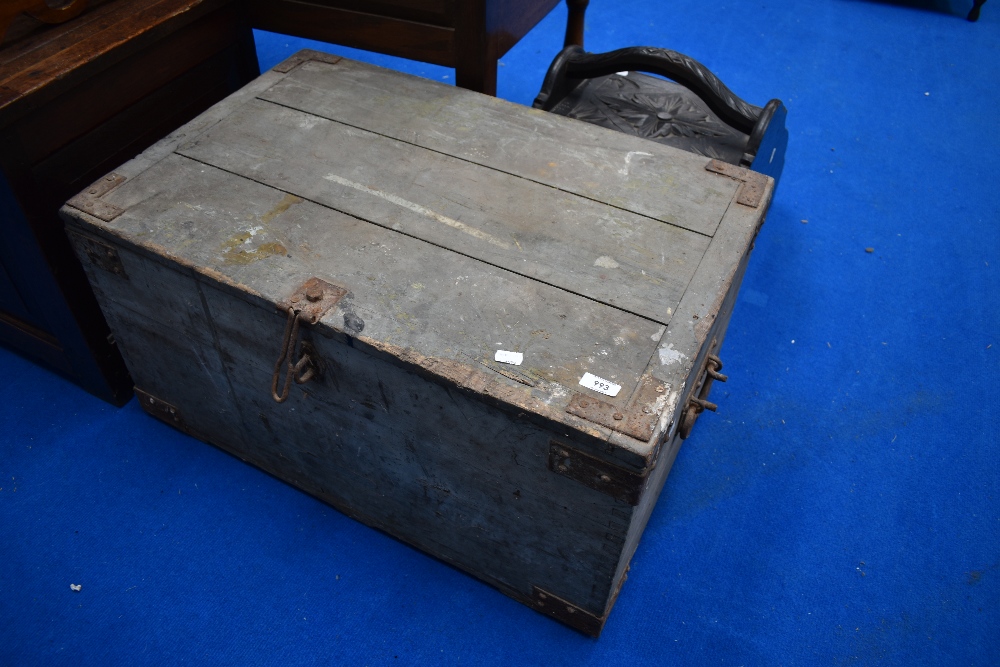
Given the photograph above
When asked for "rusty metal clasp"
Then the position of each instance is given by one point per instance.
(302, 370)
(698, 402)
(308, 304)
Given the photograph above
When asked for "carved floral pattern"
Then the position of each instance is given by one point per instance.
(655, 109)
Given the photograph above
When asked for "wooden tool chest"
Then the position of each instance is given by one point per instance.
(332, 274)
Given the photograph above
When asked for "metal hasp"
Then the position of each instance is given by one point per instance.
(698, 402)
(308, 304)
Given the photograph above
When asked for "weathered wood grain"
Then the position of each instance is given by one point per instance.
(409, 293)
(613, 256)
(624, 171)
(430, 464)
(166, 338)
(703, 314)
(111, 37)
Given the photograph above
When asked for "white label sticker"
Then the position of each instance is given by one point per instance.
(505, 357)
(601, 385)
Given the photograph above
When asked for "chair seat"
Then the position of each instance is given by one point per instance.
(693, 110)
(653, 108)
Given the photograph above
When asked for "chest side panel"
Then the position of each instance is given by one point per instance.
(701, 319)
(431, 464)
(158, 317)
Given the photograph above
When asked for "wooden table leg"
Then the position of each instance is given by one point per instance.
(574, 24)
(476, 51)
(477, 42)
(477, 72)
(974, 12)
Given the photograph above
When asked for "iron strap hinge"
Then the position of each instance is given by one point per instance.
(308, 304)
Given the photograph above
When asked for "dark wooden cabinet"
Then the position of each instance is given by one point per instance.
(469, 35)
(77, 99)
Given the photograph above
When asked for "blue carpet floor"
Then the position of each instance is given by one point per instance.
(840, 508)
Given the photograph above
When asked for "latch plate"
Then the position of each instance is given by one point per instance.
(307, 304)
(313, 299)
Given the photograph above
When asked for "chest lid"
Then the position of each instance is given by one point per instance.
(460, 225)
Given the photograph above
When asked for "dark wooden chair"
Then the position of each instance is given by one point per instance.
(695, 111)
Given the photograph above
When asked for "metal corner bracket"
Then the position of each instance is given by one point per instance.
(100, 254)
(303, 56)
(622, 485)
(566, 612)
(89, 201)
(638, 420)
(160, 409)
(751, 192)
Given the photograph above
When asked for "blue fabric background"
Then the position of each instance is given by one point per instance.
(840, 508)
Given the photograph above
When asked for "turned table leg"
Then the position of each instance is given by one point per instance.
(974, 12)
(574, 24)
